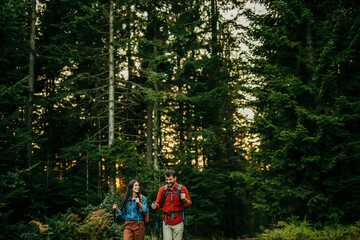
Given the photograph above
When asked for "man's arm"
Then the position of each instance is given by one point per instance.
(186, 197)
(158, 203)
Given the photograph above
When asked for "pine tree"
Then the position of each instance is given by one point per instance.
(305, 79)
(13, 80)
(206, 83)
(14, 55)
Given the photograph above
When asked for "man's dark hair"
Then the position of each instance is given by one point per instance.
(170, 173)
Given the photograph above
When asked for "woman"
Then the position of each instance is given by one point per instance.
(133, 209)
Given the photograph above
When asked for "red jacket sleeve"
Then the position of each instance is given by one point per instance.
(187, 196)
(159, 198)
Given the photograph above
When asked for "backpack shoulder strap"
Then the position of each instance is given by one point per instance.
(179, 193)
(165, 195)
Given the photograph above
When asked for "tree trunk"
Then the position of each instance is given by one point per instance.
(181, 115)
(156, 133)
(87, 179)
(214, 31)
(29, 104)
(100, 178)
(111, 75)
(149, 135)
(111, 92)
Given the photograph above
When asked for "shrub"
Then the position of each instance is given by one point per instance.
(97, 225)
(305, 231)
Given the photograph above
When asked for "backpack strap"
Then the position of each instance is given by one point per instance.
(178, 192)
(138, 208)
(182, 203)
(165, 195)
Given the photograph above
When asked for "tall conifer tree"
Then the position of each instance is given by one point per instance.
(305, 84)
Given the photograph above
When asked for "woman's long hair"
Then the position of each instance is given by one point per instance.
(129, 193)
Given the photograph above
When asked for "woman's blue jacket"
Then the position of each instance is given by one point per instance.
(133, 211)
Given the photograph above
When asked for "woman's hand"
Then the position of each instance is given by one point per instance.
(115, 207)
(137, 200)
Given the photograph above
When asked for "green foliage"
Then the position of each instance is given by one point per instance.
(177, 61)
(97, 225)
(122, 152)
(164, 48)
(304, 230)
(13, 80)
(306, 163)
(207, 194)
(13, 194)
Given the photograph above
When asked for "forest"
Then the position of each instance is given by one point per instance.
(254, 103)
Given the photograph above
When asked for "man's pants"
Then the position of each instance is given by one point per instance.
(173, 232)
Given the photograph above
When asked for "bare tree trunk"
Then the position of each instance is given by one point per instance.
(111, 76)
(214, 30)
(99, 164)
(87, 178)
(99, 174)
(149, 135)
(111, 92)
(29, 104)
(181, 115)
(156, 132)
(309, 43)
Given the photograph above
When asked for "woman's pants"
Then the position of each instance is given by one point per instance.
(131, 230)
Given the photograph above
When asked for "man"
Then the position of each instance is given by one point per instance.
(173, 206)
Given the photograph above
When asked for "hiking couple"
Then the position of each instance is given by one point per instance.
(172, 197)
